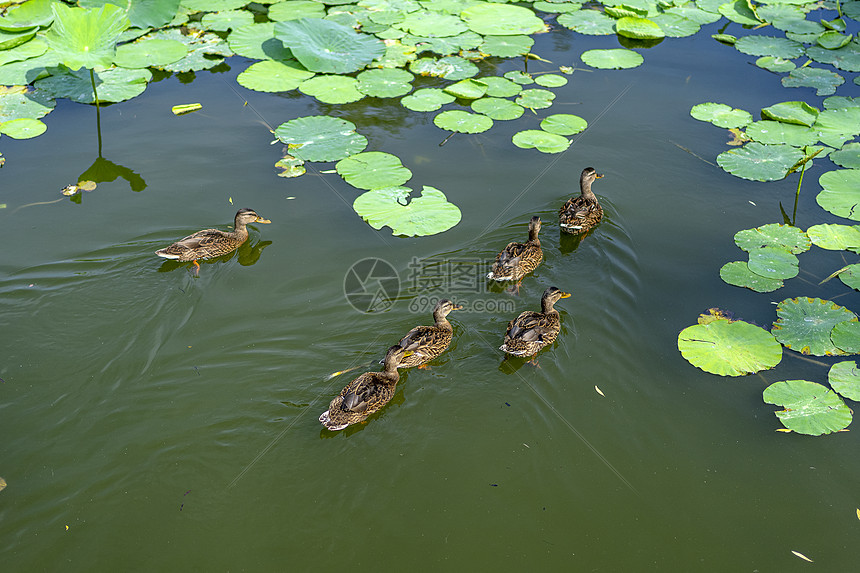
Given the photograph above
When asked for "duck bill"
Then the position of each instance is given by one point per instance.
(565, 295)
(261, 220)
(598, 175)
(457, 307)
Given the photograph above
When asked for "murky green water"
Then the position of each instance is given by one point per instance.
(153, 421)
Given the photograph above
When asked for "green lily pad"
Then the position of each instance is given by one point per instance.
(825, 82)
(588, 22)
(848, 156)
(506, 46)
(257, 41)
(212, 5)
(775, 235)
(272, 76)
(22, 102)
(27, 71)
(729, 348)
(373, 170)
(759, 162)
(326, 46)
(518, 77)
(638, 28)
(227, 20)
(428, 214)
(295, 9)
(835, 237)
(738, 273)
(426, 99)
(851, 276)
(432, 24)
(497, 108)
(563, 124)
(804, 325)
(320, 138)
(543, 141)
(614, 59)
(841, 193)
(500, 87)
(846, 337)
(773, 263)
(490, 19)
(721, 115)
(32, 13)
(846, 58)
(200, 48)
(769, 46)
(810, 408)
(675, 25)
(837, 125)
(551, 81)
(776, 65)
(556, 8)
(33, 48)
(844, 378)
(385, 82)
(145, 53)
(24, 128)
(332, 89)
(13, 38)
(450, 68)
(739, 12)
(467, 89)
(113, 85)
(462, 121)
(691, 11)
(774, 132)
(535, 98)
(833, 40)
(86, 37)
(444, 46)
(793, 112)
(396, 55)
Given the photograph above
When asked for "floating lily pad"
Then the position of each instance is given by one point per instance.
(832, 40)
(775, 235)
(738, 273)
(721, 115)
(519, 77)
(497, 108)
(848, 156)
(27, 71)
(551, 81)
(22, 102)
(432, 24)
(145, 53)
(837, 125)
(638, 28)
(841, 193)
(113, 85)
(373, 170)
(272, 76)
(295, 9)
(33, 48)
(212, 5)
(426, 99)
(776, 65)
(332, 89)
(32, 13)
(385, 82)
(428, 214)
(462, 121)
(774, 132)
(543, 141)
(506, 46)
(793, 112)
(835, 237)
(851, 276)
(825, 82)
(326, 46)
(844, 378)
(675, 25)
(290, 167)
(739, 11)
(810, 408)
(563, 124)
(846, 58)
(729, 348)
(490, 19)
(759, 162)
(535, 98)
(804, 325)
(769, 46)
(86, 37)
(614, 59)
(588, 22)
(444, 46)
(320, 138)
(467, 89)
(846, 337)
(24, 128)
(201, 50)
(258, 41)
(773, 263)
(228, 20)
(12, 38)
(451, 68)
(500, 87)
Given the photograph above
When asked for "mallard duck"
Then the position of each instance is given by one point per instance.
(210, 243)
(427, 342)
(518, 259)
(365, 395)
(580, 214)
(531, 331)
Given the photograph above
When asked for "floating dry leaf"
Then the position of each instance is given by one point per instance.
(802, 556)
(786, 430)
(86, 185)
(185, 108)
(738, 137)
(858, 514)
(599, 391)
(3, 486)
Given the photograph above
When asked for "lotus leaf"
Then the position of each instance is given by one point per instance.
(489, 19)
(832, 40)
(848, 156)
(467, 89)
(24, 128)
(638, 28)
(769, 46)
(729, 348)
(555, 8)
(721, 115)
(675, 25)
(614, 59)
(199, 47)
(147, 53)
(776, 65)
(738, 273)
(462, 121)
(739, 12)
(444, 46)
(506, 46)
(773, 263)
(373, 170)
(810, 408)
(775, 235)
(13, 39)
(837, 125)
(229, 20)
(588, 22)
(497, 108)
(212, 5)
(543, 141)
(518, 77)
(535, 98)
(500, 87)
(426, 99)
(773, 132)
(844, 378)
(86, 37)
(19, 103)
(841, 194)
(689, 11)
(295, 9)
(851, 276)
(332, 89)
(780, 11)
(33, 48)
(551, 81)
(326, 46)
(563, 124)
(804, 325)
(258, 41)
(113, 85)
(451, 68)
(825, 82)
(27, 71)
(428, 214)
(272, 76)
(835, 237)
(846, 58)
(841, 102)
(396, 56)
(290, 167)
(32, 13)
(759, 162)
(386, 82)
(432, 24)
(846, 337)
(794, 112)
(320, 138)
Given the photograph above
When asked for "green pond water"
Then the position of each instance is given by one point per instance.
(154, 421)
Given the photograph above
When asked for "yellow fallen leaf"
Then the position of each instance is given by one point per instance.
(231, 200)
(786, 430)
(185, 108)
(858, 514)
(802, 556)
(600, 392)
(67, 528)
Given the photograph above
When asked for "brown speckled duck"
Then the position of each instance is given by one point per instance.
(531, 331)
(427, 342)
(518, 259)
(580, 214)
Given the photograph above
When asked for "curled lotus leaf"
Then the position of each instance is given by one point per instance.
(729, 348)
(638, 28)
(844, 378)
(775, 65)
(809, 408)
(428, 214)
(794, 112)
(804, 325)
(320, 138)
(775, 235)
(841, 193)
(326, 46)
